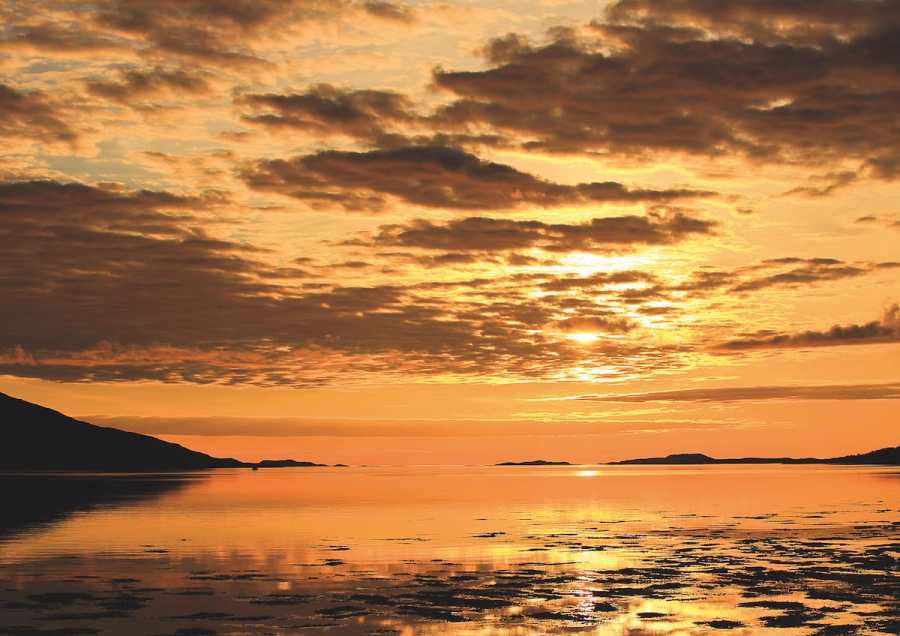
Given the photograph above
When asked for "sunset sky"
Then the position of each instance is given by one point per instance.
(455, 232)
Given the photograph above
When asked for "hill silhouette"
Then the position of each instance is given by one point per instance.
(882, 456)
(38, 438)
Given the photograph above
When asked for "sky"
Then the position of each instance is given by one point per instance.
(434, 232)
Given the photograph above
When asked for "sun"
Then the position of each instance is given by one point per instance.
(583, 337)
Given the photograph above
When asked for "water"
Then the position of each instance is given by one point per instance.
(469, 550)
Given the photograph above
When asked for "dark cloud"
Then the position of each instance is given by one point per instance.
(217, 32)
(886, 166)
(767, 80)
(352, 265)
(756, 393)
(211, 32)
(378, 118)
(110, 284)
(488, 234)
(705, 280)
(389, 11)
(826, 184)
(775, 20)
(595, 324)
(59, 38)
(46, 202)
(88, 264)
(451, 259)
(32, 115)
(787, 272)
(885, 330)
(134, 84)
(807, 271)
(886, 220)
(326, 110)
(430, 176)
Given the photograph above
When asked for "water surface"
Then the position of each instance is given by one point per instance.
(470, 550)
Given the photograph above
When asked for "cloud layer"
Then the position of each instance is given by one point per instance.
(878, 331)
(488, 234)
(737, 394)
(433, 177)
(606, 200)
(769, 81)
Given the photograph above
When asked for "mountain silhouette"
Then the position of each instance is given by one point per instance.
(38, 438)
(883, 456)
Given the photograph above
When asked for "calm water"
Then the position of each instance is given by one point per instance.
(470, 550)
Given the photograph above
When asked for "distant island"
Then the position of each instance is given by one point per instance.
(285, 463)
(534, 462)
(39, 438)
(883, 456)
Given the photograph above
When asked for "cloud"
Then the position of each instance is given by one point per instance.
(595, 324)
(889, 221)
(826, 184)
(488, 234)
(890, 391)
(325, 110)
(809, 271)
(347, 427)
(112, 284)
(136, 84)
(226, 33)
(116, 283)
(377, 118)
(599, 279)
(87, 264)
(885, 330)
(68, 39)
(389, 11)
(764, 19)
(788, 272)
(795, 82)
(430, 176)
(32, 115)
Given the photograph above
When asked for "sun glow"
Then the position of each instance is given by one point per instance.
(583, 337)
(585, 264)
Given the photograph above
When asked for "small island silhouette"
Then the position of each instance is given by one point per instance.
(882, 456)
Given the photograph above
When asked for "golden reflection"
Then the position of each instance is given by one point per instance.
(483, 550)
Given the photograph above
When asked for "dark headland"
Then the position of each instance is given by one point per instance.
(37, 438)
(883, 456)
